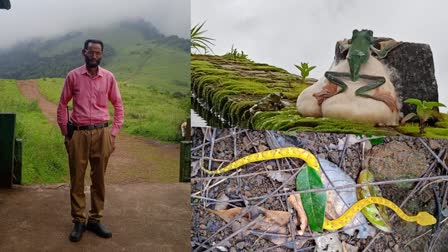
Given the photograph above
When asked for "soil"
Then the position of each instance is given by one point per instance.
(146, 209)
(141, 217)
(243, 188)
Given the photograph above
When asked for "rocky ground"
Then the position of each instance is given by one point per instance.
(389, 159)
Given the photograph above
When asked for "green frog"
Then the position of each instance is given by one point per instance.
(358, 54)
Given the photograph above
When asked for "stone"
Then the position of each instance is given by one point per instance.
(240, 245)
(412, 67)
(434, 144)
(395, 160)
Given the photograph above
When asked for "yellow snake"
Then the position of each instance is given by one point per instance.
(422, 218)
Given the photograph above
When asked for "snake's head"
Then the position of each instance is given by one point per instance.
(425, 219)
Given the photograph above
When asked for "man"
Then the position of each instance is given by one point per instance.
(90, 86)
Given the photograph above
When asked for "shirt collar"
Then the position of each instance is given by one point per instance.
(100, 71)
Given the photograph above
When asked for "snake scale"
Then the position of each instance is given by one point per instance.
(422, 218)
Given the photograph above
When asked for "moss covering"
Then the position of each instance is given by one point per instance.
(231, 87)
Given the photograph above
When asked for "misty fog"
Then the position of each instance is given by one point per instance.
(29, 19)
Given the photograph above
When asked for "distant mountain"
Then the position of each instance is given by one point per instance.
(135, 50)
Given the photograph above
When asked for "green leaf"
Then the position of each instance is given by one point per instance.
(311, 68)
(414, 101)
(313, 202)
(377, 215)
(432, 104)
(376, 141)
(197, 41)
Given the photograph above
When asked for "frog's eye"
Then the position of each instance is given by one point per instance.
(370, 33)
(355, 31)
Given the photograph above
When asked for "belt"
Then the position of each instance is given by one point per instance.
(91, 127)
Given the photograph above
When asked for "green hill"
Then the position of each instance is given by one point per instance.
(135, 51)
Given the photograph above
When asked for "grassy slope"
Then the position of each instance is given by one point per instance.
(44, 155)
(142, 62)
(147, 112)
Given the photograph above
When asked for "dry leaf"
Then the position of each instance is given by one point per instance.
(349, 248)
(270, 224)
(296, 202)
(229, 214)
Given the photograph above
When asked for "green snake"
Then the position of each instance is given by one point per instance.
(422, 218)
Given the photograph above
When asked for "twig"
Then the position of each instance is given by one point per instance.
(217, 183)
(430, 169)
(292, 227)
(437, 181)
(231, 176)
(248, 209)
(277, 246)
(265, 168)
(420, 236)
(440, 178)
(216, 140)
(436, 238)
(373, 239)
(236, 232)
(436, 228)
(341, 157)
(434, 154)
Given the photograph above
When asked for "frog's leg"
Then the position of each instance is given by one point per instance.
(372, 83)
(386, 47)
(331, 88)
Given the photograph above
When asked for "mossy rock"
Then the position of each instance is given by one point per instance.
(232, 87)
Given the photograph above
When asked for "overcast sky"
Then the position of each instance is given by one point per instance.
(287, 32)
(36, 18)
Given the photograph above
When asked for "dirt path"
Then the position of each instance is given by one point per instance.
(141, 216)
(135, 158)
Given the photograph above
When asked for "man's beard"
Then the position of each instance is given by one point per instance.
(91, 63)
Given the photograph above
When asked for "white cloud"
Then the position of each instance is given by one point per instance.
(30, 18)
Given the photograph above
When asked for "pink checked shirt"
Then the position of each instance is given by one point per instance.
(90, 96)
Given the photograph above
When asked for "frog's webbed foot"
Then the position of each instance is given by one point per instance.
(327, 91)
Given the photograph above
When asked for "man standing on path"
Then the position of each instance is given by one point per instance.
(90, 86)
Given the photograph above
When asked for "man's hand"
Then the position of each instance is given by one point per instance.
(112, 140)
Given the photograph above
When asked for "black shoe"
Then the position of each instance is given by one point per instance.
(99, 229)
(77, 231)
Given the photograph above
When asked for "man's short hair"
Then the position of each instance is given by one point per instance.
(95, 41)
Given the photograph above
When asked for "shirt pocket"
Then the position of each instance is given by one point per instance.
(76, 91)
(101, 96)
